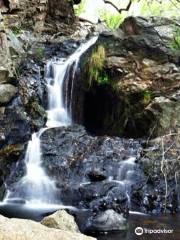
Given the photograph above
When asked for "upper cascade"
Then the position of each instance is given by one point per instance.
(57, 73)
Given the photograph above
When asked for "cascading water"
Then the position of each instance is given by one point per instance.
(125, 176)
(36, 186)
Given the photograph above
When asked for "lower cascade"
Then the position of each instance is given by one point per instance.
(36, 186)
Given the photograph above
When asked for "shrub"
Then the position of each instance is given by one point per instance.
(112, 21)
(146, 97)
(159, 8)
(94, 67)
(78, 9)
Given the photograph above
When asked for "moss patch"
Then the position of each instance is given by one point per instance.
(94, 67)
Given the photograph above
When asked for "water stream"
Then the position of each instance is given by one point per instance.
(36, 186)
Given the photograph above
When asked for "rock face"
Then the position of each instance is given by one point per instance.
(61, 220)
(135, 92)
(160, 163)
(61, 10)
(19, 229)
(91, 172)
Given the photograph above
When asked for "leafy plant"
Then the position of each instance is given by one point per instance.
(159, 8)
(112, 21)
(39, 53)
(95, 65)
(146, 97)
(78, 9)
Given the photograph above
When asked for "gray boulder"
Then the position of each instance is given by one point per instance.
(107, 221)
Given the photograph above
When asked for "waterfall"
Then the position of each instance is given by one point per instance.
(36, 186)
(125, 176)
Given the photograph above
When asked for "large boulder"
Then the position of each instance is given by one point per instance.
(61, 220)
(107, 221)
(7, 92)
(19, 229)
(5, 57)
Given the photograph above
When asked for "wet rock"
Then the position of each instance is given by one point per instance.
(80, 155)
(174, 201)
(7, 92)
(96, 175)
(154, 168)
(107, 221)
(61, 220)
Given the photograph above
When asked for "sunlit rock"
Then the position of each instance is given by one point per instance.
(61, 220)
(19, 229)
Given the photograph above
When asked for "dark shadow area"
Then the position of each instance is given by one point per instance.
(109, 113)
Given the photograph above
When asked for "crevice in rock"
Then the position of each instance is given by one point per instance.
(115, 114)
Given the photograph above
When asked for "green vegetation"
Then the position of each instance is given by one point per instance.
(39, 53)
(112, 21)
(78, 9)
(16, 30)
(159, 8)
(175, 43)
(146, 97)
(94, 66)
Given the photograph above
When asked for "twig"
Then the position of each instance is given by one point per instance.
(163, 170)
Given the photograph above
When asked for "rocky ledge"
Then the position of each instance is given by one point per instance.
(130, 81)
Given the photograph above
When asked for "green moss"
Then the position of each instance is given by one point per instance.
(16, 30)
(37, 110)
(146, 97)
(94, 67)
(39, 53)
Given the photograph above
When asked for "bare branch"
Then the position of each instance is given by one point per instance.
(121, 9)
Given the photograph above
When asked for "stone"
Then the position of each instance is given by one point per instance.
(61, 11)
(5, 57)
(15, 45)
(61, 220)
(107, 221)
(11, 229)
(13, 4)
(7, 92)
(4, 74)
